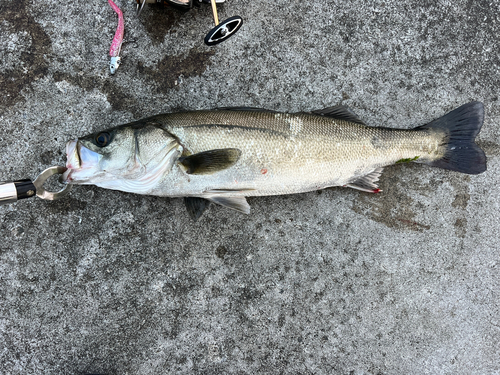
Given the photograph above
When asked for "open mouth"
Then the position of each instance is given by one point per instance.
(73, 161)
(73, 155)
(81, 163)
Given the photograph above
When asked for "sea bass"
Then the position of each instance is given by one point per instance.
(225, 155)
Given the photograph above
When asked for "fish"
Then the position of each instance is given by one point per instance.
(116, 44)
(225, 155)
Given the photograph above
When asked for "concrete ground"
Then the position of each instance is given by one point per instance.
(329, 282)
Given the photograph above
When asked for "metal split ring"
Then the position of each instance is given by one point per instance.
(44, 176)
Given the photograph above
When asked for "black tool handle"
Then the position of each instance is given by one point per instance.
(12, 191)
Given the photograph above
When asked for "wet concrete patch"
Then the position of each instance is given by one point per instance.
(169, 70)
(66, 205)
(32, 64)
(119, 99)
(221, 252)
(461, 200)
(460, 227)
(159, 20)
(490, 148)
(392, 207)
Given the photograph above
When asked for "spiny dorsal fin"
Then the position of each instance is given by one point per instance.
(248, 109)
(196, 206)
(236, 203)
(209, 162)
(339, 112)
(367, 183)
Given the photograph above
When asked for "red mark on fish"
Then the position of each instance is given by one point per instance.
(263, 171)
(116, 45)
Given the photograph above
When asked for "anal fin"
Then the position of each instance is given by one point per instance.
(367, 183)
(238, 203)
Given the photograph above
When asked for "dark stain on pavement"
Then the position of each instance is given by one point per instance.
(119, 100)
(221, 251)
(172, 67)
(165, 76)
(63, 206)
(462, 198)
(392, 207)
(159, 19)
(461, 227)
(490, 148)
(32, 64)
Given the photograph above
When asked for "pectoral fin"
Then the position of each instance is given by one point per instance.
(367, 182)
(196, 206)
(209, 162)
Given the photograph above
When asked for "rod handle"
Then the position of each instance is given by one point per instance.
(12, 191)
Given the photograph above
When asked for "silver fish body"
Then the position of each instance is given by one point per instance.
(225, 155)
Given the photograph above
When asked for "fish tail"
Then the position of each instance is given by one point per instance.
(461, 125)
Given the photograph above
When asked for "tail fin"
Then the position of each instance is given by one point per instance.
(462, 125)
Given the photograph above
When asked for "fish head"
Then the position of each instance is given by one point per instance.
(133, 158)
(114, 64)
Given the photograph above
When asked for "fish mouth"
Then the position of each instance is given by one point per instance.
(81, 163)
(74, 160)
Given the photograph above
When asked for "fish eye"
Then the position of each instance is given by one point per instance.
(102, 139)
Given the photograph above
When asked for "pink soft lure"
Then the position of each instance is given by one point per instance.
(116, 45)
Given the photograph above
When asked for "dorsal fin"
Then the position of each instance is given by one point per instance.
(367, 182)
(339, 112)
(248, 109)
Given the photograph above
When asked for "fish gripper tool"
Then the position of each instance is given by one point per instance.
(12, 191)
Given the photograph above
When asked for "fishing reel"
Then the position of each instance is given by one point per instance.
(222, 30)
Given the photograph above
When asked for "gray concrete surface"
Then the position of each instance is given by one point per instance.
(331, 282)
